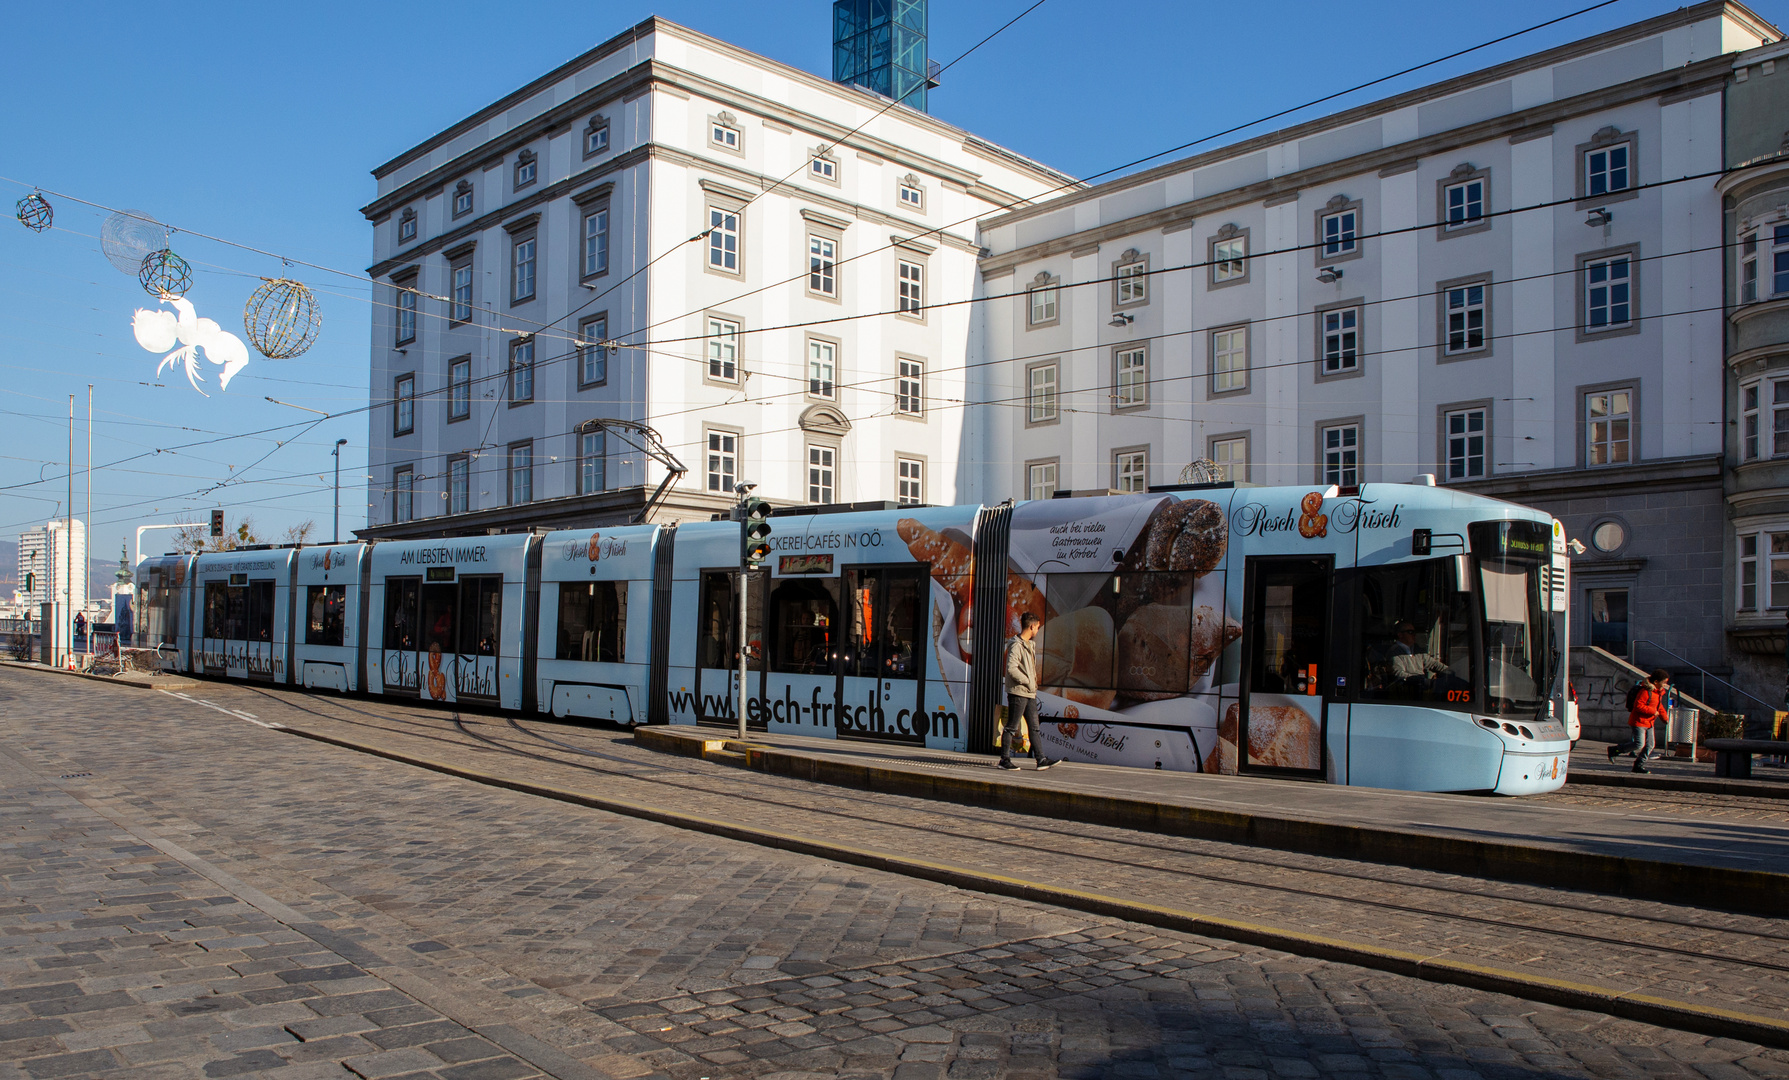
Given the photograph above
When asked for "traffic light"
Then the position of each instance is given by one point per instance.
(217, 523)
(30, 581)
(754, 541)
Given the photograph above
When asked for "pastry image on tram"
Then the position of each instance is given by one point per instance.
(1280, 736)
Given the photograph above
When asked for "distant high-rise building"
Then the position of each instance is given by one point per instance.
(880, 45)
(43, 559)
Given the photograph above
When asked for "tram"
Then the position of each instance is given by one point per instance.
(1391, 635)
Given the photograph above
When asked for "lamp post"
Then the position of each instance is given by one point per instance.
(339, 443)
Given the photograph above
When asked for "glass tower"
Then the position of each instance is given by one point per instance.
(880, 45)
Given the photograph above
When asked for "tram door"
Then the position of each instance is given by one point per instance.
(1285, 665)
(441, 635)
(238, 641)
(717, 647)
(882, 654)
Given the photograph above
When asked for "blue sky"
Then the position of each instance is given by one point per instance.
(260, 125)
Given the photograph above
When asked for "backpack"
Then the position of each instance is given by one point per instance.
(1633, 696)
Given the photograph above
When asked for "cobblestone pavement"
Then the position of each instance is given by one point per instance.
(184, 893)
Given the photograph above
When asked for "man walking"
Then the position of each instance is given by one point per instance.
(1649, 706)
(1021, 694)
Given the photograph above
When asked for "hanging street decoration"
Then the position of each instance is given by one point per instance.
(282, 318)
(164, 273)
(130, 236)
(159, 331)
(34, 212)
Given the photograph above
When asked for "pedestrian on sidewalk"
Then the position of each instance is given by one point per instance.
(1648, 708)
(1021, 694)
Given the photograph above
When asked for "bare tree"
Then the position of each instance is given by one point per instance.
(196, 537)
(299, 533)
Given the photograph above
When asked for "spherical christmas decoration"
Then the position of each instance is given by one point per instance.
(282, 318)
(34, 212)
(165, 274)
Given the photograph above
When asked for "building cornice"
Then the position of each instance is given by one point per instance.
(1662, 474)
(1747, 312)
(1737, 184)
(1777, 350)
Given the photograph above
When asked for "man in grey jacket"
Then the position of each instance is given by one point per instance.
(1021, 694)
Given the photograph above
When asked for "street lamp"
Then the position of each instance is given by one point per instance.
(339, 443)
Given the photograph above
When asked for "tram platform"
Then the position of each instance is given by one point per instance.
(1733, 862)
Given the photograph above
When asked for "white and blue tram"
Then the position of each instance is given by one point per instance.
(1398, 636)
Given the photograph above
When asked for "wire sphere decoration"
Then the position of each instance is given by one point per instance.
(164, 273)
(130, 236)
(282, 318)
(1202, 471)
(34, 212)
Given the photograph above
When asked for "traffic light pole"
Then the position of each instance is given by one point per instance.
(754, 549)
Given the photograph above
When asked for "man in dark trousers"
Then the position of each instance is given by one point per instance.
(1649, 707)
(1021, 694)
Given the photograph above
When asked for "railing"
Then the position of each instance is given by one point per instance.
(1769, 709)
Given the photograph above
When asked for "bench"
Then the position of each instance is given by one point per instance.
(1733, 757)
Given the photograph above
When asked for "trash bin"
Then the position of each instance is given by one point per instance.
(1681, 731)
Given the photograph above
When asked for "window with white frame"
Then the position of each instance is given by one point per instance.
(1130, 471)
(821, 464)
(462, 198)
(1608, 427)
(1763, 581)
(723, 240)
(406, 311)
(910, 387)
(912, 278)
(1764, 419)
(1748, 573)
(1764, 264)
(1040, 480)
(824, 168)
(1130, 384)
(1132, 284)
(1341, 454)
(723, 350)
(403, 494)
(823, 363)
(1465, 203)
(527, 168)
(1229, 360)
(723, 461)
(459, 389)
(593, 354)
(1464, 307)
(911, 195)
(522, 278)
(1465, 441)
(459, 308)
(1231, 456)
(403, 397)
(1341, 340)
(407, 226)
(1041, 392)
(1341, 231)
(521, 371)
(596, 136)
(592, 460)
(822, 262)
(596, 242)
(1608, 293)
(910, 481)
(521, 473)
(723, 134)
(1041, 297)
(1607, 170)
(1229, 257)
(459, 484)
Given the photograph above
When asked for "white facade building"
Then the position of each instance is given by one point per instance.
(783, 331)
(44, 557)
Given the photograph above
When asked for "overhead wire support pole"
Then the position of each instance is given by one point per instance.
(86, 563)
(68, 546)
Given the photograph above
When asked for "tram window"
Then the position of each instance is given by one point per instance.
(481, 615)
(905, 623)
(258, 623)
(1415, 641)
(400, 613)
(1153, 617)
(886, 612)
(1075, 649)
(325, 614)
(593, 621)
(437, 623)
(720, 621)
(804, 626)
(217, 610)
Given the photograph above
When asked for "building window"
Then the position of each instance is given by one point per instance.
(820, 474)
(522, 270)
(822, 257)
(407, 312)
(723, 461)
(459, 484)
(910, 387)
(1748, 573)
(910, 481)
(1465, 204)
(407, 226)
(723, 350)
(723, 240)
(1130, 382)
(593, 354)
(910, 194)
(460, 307)
(403, 397)
(1752, 249)
(459, 389)
(1608, 293)
(1231, 456)
(596, 242)
(1230, 256)
(1130, 471)
(527, 168)
(403, 494)
(1764, 419)
(1229, 360)
(521, 473)
(596, 137)
(1341, 454)
(1609, 620)
(521, 371)
(723, 134)
(462, 198)
(1608, 427)
(1463, 309)
(1040, 480)
(1606, 170)
(912, 287)
(1340, 330)
(822, 367)
(1340, 231)
(1466, 431)
(824, 168)
(1763, 572)
(1041, 392)
(591, 450)
(1130, 283)
(1041, 297)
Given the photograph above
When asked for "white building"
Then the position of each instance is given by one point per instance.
(43, 560)
(638, 194)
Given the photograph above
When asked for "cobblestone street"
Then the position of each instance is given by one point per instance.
(189, 893)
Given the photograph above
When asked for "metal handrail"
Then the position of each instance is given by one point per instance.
(1706, 674)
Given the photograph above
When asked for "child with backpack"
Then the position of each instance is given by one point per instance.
(1646, 706)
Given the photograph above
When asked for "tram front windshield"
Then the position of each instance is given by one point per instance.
(1518, 646)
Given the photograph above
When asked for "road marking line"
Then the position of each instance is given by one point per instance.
(237, 713)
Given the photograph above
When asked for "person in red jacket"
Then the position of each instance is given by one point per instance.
(1649, 707)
